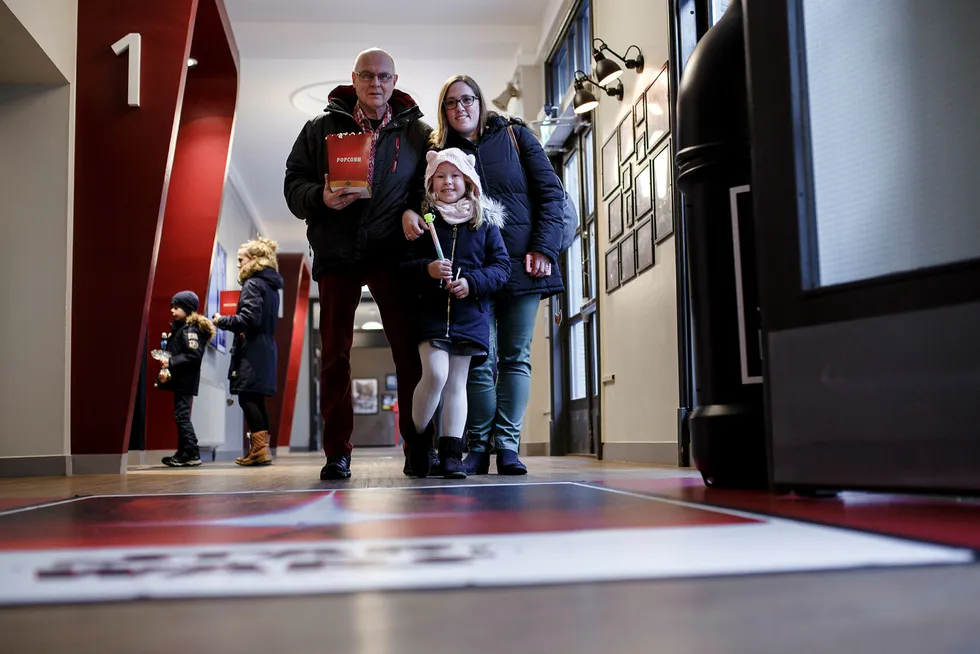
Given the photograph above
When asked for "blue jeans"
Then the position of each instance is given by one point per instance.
(497, 411)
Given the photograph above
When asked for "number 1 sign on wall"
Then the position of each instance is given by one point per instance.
(131, 43)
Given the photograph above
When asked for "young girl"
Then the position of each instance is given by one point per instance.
(253, 360)
(454, 292)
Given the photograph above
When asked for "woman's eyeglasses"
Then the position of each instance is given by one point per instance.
(368, 76)
(466, 101)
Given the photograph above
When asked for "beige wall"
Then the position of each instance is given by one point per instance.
(36, 178)
(378, 429)
(639, 321)
(537, 418)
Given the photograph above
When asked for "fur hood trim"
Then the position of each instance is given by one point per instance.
(203, 324)
(256, 266)
(494, 212)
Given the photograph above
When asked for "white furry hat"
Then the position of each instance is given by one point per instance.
(465, 162)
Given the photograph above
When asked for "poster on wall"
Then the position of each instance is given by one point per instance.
(614, 212)
(612, 269)
(664, 190)
(658, 110)
(627, 257)
(610, 165)
(644, 246)
(388, 401)
(626, 141)
(364, 393)
(644, 194)
(216, 284)
(391, 382)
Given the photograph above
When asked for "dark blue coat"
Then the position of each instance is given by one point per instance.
(531, 193)
(482, 257)
(186, 344)
(254, 356)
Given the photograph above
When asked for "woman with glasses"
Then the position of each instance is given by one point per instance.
(515, 171)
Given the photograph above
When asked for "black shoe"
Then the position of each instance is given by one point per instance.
(451, 453)
(509, 464)
(338, 467)
(435, 468)
(182, 460)
(419, 447)
(477, 463)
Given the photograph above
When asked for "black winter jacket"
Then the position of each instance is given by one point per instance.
(481, 257)
(531, 193)
(186, 344)
(254, 357)
(368, 231)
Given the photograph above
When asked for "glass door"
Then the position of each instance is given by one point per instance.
(865, 188)
(580, 336)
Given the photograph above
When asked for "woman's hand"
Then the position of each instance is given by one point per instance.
(215, 318)
(460, 288)
(336, 200)
(537, 265)
(413, 225)
(441, 269)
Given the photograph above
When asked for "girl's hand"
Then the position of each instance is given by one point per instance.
(441, 269)
(413, 225)
(460, 288)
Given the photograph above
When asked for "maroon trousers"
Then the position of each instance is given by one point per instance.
(340, 294)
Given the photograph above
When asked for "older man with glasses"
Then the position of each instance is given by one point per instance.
(357, 241)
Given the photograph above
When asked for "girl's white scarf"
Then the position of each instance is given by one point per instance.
(456, 213)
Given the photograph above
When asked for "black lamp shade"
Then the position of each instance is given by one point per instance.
(607, 71)
(584, 101)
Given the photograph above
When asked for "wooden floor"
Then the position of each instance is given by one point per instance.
(917, 610)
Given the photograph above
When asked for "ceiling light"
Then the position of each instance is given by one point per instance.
(372, 326)
(191, 62)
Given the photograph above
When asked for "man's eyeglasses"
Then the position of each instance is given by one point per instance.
(466, 101)
(368, 76)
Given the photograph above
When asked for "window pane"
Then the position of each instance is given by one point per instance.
(588, 174)
(595, 359)
(592, 259)
(574, 282)
(572, 182)
(576, 364)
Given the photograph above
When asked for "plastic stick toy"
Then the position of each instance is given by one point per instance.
(430, 221)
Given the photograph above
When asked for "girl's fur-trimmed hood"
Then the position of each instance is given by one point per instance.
(494, 212)
(202, 323)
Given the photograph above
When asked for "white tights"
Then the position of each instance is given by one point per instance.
(443, 376)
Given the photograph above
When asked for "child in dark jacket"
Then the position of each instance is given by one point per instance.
(190, 334)
(455, 281)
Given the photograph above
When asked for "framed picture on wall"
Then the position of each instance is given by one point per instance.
(364, 393)
(614, 212)
(664, 189)
(626, 140)
(628, 203)
(388, 401)
(658, 109)
(612, 269)
(628, 177)
(627, 258)
(391, 382)
(644, 194)
(644, 246)
(641, 146)
(610, 165)
(639, 111)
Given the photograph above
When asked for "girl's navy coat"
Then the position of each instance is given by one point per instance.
(523, 180)
(254, 357)
(186, 344)
(481, 256)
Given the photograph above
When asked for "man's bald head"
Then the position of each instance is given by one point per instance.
(374, 56)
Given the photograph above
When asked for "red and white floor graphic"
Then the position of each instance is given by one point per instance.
(116, 548)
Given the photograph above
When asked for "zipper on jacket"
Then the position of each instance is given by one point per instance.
(398, 145)
(449, 296)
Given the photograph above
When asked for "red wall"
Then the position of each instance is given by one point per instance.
(125, 159)
(289, 339)
(194, 200)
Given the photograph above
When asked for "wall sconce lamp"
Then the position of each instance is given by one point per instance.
(584, 100)
(608, 71)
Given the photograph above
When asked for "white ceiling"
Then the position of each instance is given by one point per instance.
(289, 45)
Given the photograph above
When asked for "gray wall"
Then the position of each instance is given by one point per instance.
(377, 429)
